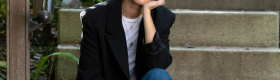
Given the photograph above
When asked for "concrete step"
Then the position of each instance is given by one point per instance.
(224, 4)
(201, 63)
(69, 26)
(225, 64)
(225, 28)
(66, 68)
(198, 28)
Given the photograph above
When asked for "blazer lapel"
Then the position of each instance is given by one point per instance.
(115, 36)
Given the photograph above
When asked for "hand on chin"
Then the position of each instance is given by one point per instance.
(152, 4)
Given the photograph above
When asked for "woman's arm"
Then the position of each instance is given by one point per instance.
(156, 44)
(157, 54)
(149, 26)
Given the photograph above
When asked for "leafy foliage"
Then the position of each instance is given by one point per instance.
(3, 64)
(3, 12)
(2, 32)
(3, 7)
(57, 3)
(45, 50)
(44, 59)
(90, 2)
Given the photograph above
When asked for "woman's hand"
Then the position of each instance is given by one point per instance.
(153, 4)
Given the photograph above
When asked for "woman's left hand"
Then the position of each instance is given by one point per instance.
(153, 4)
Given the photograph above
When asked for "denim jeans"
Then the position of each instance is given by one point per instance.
(156, 74)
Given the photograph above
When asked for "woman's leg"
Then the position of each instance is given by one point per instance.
(156, 74)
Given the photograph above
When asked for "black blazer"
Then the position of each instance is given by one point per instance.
(103, 46)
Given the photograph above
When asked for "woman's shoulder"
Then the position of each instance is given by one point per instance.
(163, 11)
(164, 16)
(96, 11)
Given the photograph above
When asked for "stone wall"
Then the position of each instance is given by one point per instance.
(198, 28)
(200, 63)
(259, 5)
(225, 28)
(225, 64)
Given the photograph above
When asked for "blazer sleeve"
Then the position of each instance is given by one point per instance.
(158, 55)
(89, 67)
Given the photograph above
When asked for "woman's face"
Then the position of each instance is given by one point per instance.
(141, 2)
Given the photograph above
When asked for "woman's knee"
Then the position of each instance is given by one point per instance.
(157, 74)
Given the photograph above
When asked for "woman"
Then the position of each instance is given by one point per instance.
(118, 45)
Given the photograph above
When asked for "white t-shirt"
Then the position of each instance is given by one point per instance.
(131, 37)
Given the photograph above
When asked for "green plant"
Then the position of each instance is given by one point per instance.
(90, 2)
(43, 50)
(3, 64)
(46, 58)
(57, 3)
(3, 12)
(3, 7)
(98, 1)
(30, 3)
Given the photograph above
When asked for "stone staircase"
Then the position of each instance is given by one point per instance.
(249, 45)
(255, 5)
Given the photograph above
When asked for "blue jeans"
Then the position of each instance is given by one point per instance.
(156, 74)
